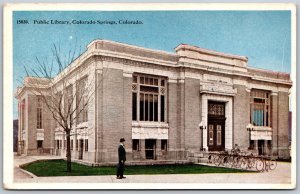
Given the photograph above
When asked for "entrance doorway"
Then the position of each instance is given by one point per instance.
(150, 147)
(261, 147)
(216, 126)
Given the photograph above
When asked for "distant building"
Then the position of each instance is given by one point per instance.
(166, 106)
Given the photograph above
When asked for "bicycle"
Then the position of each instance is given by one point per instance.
(266, 164)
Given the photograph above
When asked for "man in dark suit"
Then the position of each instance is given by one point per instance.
(122, 159)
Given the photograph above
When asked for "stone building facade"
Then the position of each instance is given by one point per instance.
(166, 106)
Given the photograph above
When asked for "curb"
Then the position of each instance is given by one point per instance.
(28, 173)
(27, 163)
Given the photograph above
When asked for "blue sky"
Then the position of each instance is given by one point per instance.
(263, 36)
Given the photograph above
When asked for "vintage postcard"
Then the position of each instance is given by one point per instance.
(149, 96)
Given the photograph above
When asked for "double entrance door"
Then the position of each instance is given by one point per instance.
(216, 126)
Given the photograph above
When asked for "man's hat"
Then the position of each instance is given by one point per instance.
(122, 140)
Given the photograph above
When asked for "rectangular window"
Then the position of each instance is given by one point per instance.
(86, 145)
(71, 146)
(39, 114)
(142, 107)
(39, 118)
(219, 135)
(162, 108)
(148, 98)
(76, 144)
(164, 144)
(134, 107)
(151, 107)
(156, 108)
(136, 144)
(146, 108)
(134, 79)
(65, 144)
(39, 143)
(57, 144)
(260, 108)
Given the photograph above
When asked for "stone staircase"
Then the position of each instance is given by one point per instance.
(198, 157)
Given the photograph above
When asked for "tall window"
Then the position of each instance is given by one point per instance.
(148, 98)
(57, 144)
(260, 108)
(86, 145)
(39, 115)
(81, 100)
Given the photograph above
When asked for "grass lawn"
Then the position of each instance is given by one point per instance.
(58, 168)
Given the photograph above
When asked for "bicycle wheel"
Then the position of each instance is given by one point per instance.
(235, 162)
(260, 165)
(220, 161)
(251, 162)
(272, 164)
(216, 159)
(243, 163)
(230, 161)
(227, 161)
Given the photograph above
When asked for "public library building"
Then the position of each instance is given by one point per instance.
(167, 106)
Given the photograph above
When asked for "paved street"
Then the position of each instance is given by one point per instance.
(281, 175)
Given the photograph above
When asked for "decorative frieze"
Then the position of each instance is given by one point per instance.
(217, 88)
(261, 133)
(150, 130)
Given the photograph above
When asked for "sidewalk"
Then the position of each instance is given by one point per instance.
(281, 175)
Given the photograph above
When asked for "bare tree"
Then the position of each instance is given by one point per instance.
(65, 90)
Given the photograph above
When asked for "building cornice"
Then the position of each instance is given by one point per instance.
(118, 52)
(142, 49)
(209, 52)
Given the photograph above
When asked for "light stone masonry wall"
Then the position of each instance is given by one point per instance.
(283, 112)
(180, 119)
(192, 114)
(127, 116)
(31, 122)
(113, 112)
(174, 110)
(274, 122)
(99, 114)
(241, 117)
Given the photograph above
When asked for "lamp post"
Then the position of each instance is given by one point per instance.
(250, 128)
(201, 127)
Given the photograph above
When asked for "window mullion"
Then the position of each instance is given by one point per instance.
(158, 101)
